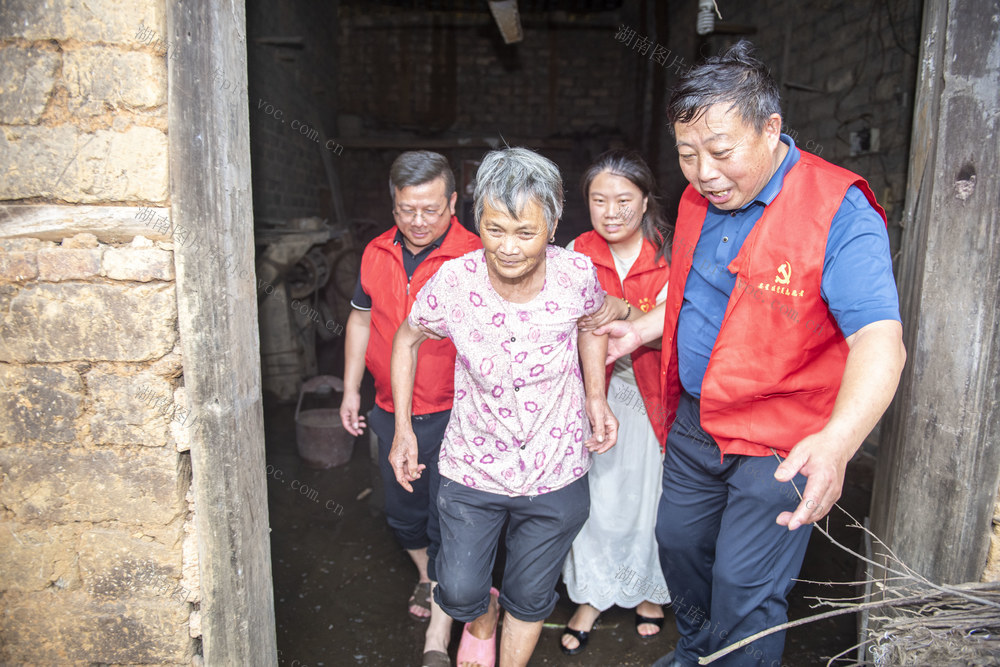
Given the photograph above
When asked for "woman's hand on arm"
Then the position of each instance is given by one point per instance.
(402, 372)
(355, 344)
(611, 310)
(593, 350)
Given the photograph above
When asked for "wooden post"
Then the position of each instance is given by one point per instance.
(210, 195)
(939, 460)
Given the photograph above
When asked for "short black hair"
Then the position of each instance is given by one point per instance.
(419, 167)
(736, 77)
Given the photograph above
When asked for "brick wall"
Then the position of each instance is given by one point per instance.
(98, 562)
(411, 76)
(292, 92)
(418, 71)
(859, 62)
(446, 81)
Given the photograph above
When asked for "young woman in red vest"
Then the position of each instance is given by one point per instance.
(614, 559)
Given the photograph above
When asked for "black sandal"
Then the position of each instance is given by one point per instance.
(579, 635)
(421, 597)
(642, 620)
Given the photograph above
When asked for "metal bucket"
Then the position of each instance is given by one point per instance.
(320, 436)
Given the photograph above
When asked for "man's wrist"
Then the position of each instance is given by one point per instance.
(846, 437)
(645, 328)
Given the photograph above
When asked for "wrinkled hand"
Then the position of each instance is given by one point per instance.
(350, 407)
(821, 458)
(622, 339)
(611, 310)
(403, 458)
(603, 423)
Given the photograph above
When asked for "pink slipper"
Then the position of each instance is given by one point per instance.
(473, 650)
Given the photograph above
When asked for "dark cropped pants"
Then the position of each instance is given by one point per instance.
(541, 530)
(413, 517)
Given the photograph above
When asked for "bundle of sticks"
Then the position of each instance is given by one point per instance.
(960, 627)
(910, 619)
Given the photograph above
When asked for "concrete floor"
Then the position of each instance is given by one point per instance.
(341, 582)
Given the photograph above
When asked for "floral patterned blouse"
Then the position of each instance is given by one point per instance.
(518, 423)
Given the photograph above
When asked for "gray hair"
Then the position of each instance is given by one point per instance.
(417, 168)
(736, 77)
(511, 177)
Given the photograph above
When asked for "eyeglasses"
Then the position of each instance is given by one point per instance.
(429, 215)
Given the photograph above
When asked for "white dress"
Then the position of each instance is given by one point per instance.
(614, 560)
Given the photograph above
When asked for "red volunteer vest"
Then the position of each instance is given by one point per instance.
(776, 367)
(644, 281)
(384, 279)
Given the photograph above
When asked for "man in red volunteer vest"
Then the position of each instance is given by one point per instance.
(394, 267)
(782, 347)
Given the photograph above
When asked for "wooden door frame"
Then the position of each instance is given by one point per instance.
(939, 460)
(210, 199)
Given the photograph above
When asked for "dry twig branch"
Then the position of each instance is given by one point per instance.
(802, 621)
(941, 610)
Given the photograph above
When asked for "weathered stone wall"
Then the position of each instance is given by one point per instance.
(98, 562)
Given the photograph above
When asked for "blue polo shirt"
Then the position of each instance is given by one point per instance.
(857, 284)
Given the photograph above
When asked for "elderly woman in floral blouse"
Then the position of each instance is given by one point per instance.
(529, 409)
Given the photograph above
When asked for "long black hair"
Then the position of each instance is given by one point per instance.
(629, 164)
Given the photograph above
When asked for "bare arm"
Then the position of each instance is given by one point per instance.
(403, 372)
(355, 343)
(593, 350)
(871, 375)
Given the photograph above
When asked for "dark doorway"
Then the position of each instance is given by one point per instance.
(337, 90)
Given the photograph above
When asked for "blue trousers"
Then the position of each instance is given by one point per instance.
(413, 517)
(728, 565)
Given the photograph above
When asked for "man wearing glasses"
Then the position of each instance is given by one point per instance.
(394, 267)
